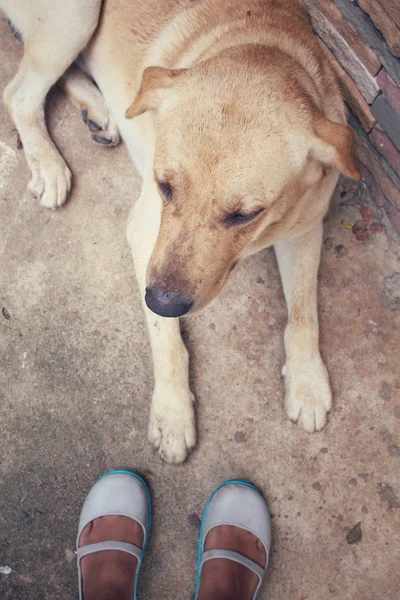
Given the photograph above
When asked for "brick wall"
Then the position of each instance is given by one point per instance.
(361, 38)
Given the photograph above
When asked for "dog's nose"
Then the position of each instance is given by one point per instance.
(167, 304)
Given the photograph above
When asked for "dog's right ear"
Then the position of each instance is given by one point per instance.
(156, 81)
(332, 145)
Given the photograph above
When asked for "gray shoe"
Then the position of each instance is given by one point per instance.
(121, 493)
(242, 505)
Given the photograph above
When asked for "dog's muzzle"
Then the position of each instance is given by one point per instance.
(167, 304)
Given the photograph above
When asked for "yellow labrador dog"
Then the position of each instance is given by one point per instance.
(235, 122)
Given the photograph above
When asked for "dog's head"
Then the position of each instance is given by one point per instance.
(237, 146)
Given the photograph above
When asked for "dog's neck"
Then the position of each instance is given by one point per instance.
(227, 26)
(220, 26)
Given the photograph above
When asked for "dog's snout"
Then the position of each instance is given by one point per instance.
(167, 304)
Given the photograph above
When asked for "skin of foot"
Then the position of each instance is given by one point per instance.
(223, 579)
(110, 575)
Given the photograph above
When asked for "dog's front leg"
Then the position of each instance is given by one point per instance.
(308, 396)
(172, 425)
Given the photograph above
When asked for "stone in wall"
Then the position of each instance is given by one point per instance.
(386, 16)
(368, 157)
(392, 8)
(366, 83)
(386, 147)
(351, 93)
(390, 90)
(391, 215)
(390, 172)
(370, 35)
(387, 118)
(346, 30)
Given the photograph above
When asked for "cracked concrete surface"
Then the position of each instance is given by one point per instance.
(76, 383)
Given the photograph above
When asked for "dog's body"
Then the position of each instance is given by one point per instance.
(239, 137)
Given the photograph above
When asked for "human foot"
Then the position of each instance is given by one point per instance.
(113, 531)
(223, 579)
(235, 540)
(110, 573)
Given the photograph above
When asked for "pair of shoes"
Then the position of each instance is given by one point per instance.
(124, 493)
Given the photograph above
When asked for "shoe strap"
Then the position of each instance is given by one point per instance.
(109, 545)
(236, 557)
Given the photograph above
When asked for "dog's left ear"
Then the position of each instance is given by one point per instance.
(333, 145)
(156, 81)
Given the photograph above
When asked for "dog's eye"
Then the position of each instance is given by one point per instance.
(238, 218)
(165, 189)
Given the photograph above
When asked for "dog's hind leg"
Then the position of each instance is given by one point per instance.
(54, 33)
(86, 96)
(308, 395)
(172, 427)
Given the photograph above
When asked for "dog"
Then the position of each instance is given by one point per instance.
(235, 122)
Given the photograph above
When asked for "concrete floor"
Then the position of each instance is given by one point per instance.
(76, 383)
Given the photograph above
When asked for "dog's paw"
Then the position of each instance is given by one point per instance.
(50, 182)
(172, 425)
(102, 126)
(308, 396)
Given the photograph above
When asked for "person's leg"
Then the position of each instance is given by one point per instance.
(223, 579)
(235, 539)
(110, 575)
(113, 530)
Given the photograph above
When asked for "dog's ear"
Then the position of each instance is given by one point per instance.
(155, 83)
(333, 145)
